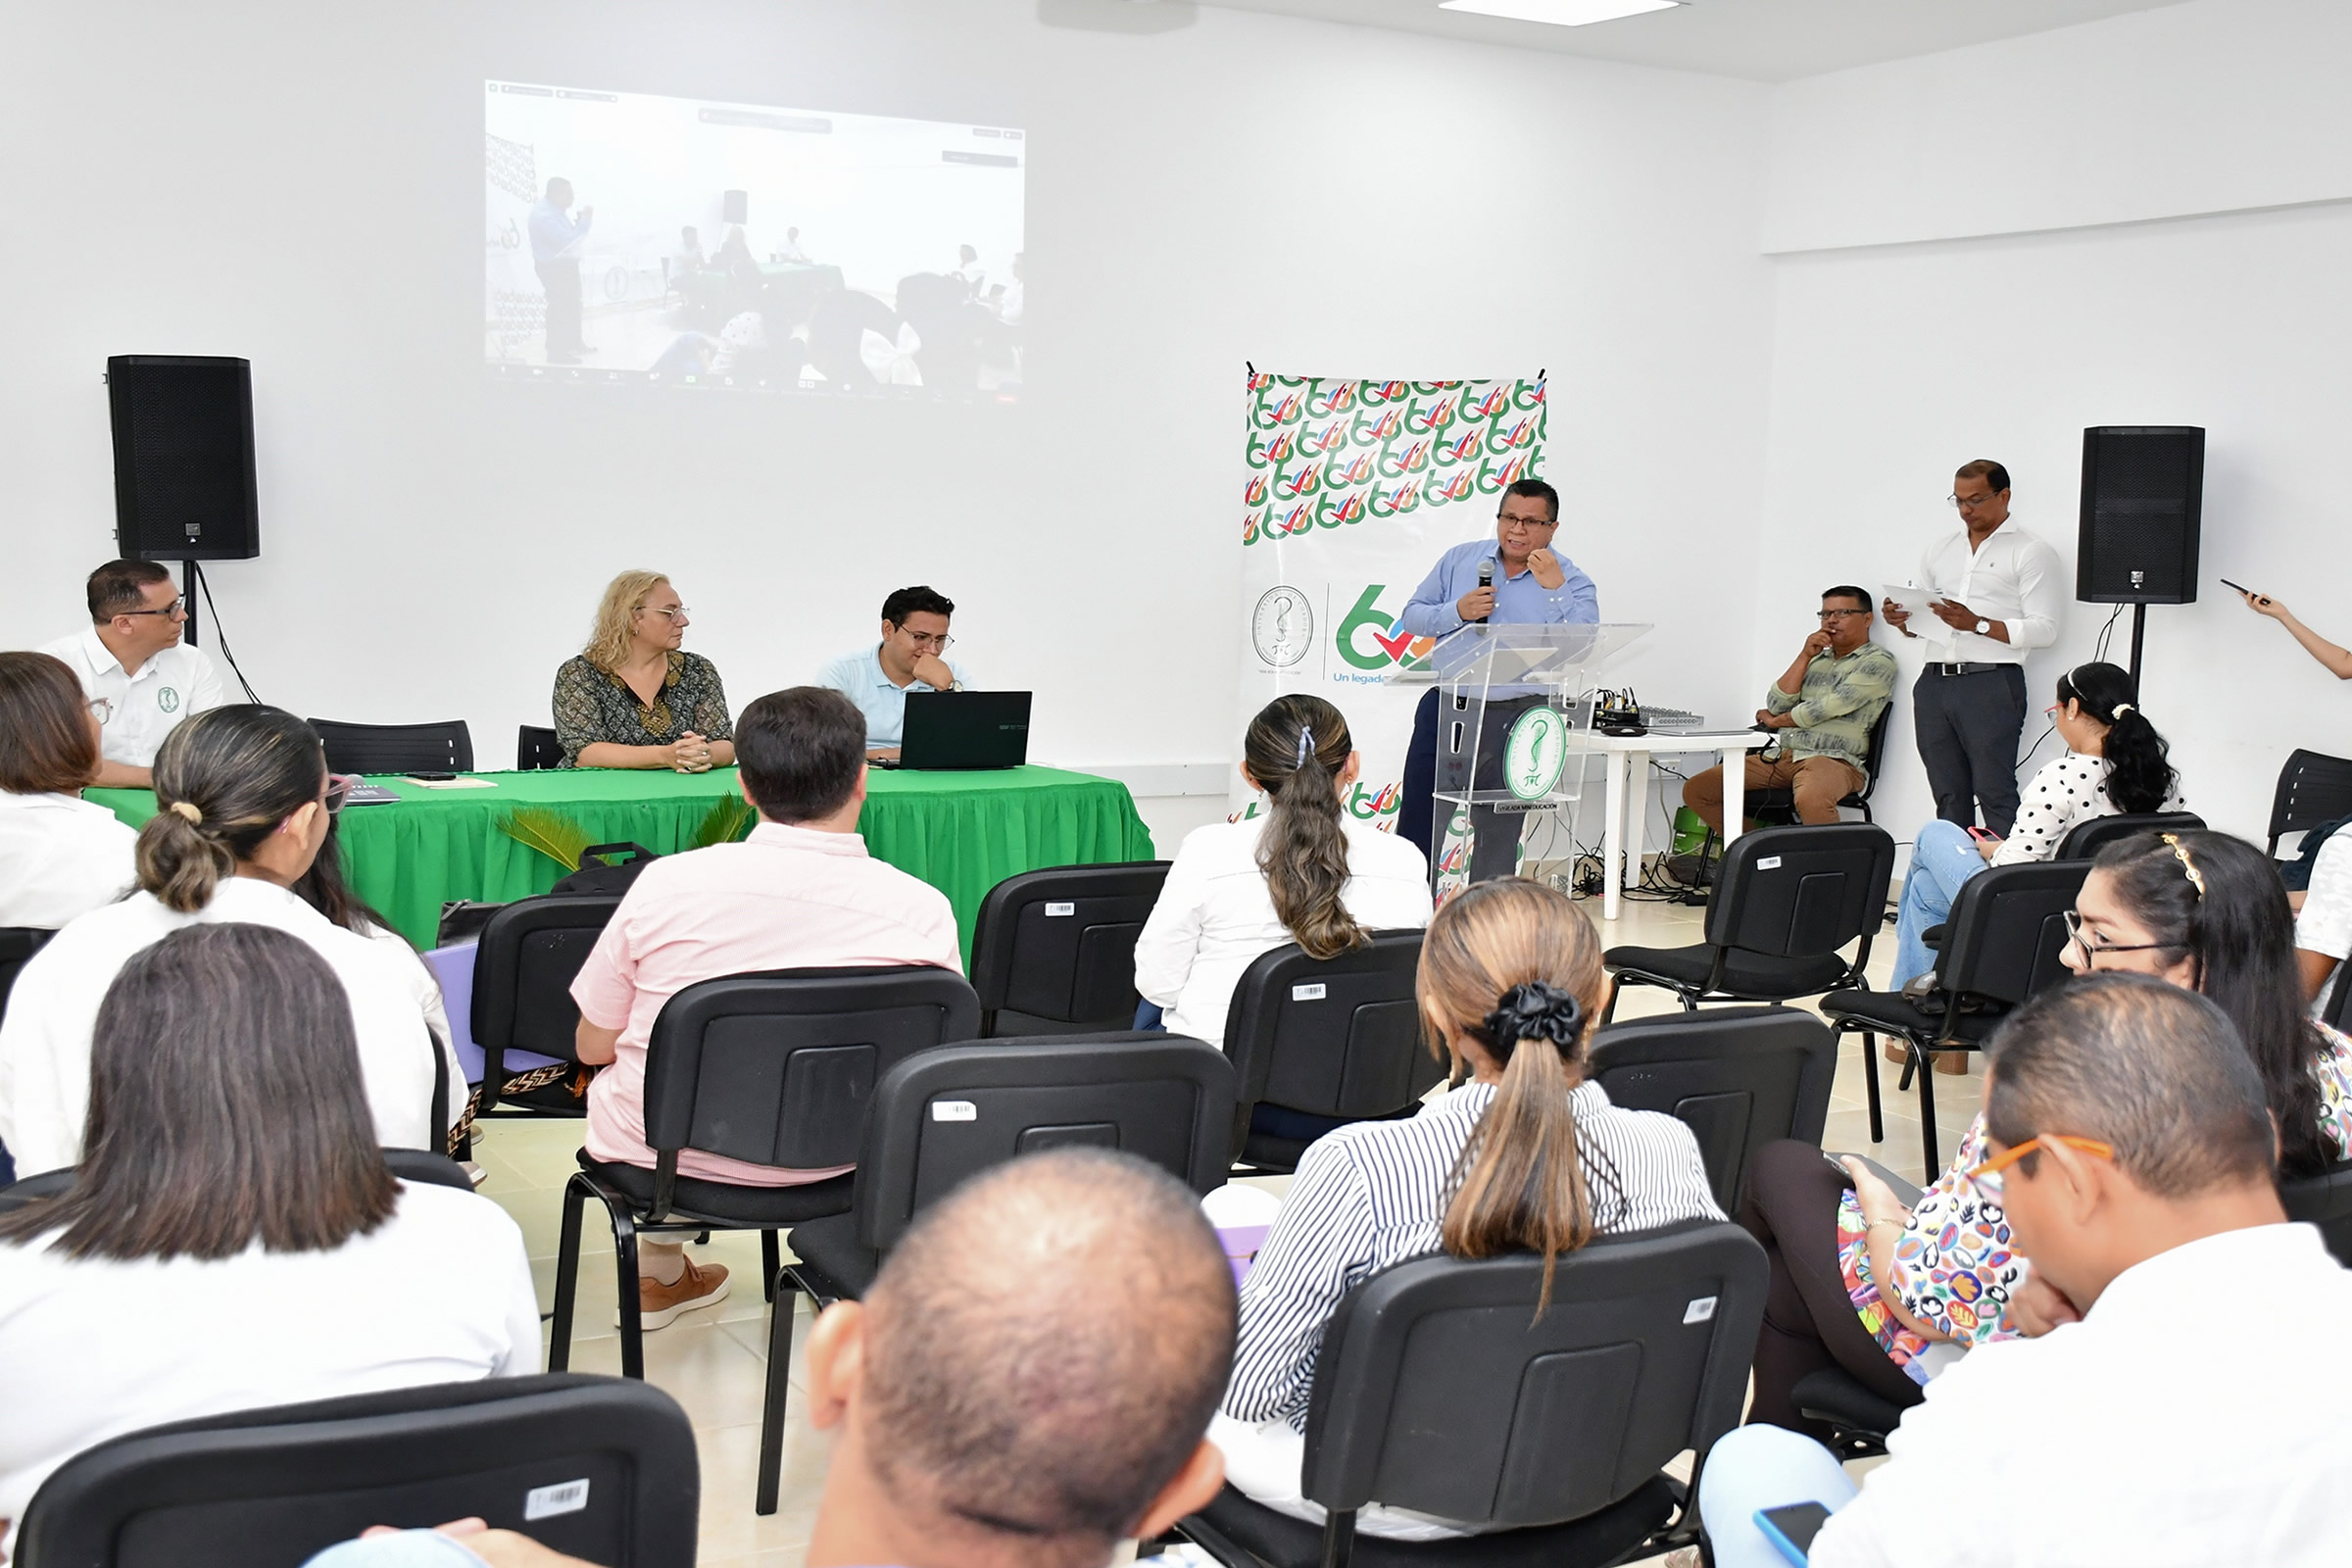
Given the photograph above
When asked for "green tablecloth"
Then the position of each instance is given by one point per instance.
(962, 833)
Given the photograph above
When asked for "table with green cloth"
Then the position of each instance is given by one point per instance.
(962, 833)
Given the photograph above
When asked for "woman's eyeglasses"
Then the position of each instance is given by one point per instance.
(2091, 949)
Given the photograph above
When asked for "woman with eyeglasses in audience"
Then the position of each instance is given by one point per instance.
(60, 854)
(232, 1238)
(243, 803)
(1894, 1294)
(2115, 763)
(633, 697)
(1523, 1152)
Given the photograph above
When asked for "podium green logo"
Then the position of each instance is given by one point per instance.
(1535, 753)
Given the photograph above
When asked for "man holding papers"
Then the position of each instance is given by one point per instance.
(1994, 591)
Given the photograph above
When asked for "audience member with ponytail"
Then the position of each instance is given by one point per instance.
(243, 800)
(2115, 763)
(1522, 1153)
(1305, 871)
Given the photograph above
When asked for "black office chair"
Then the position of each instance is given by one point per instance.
(1739, 1078)
(2325, 1201)
(2339, 999)
(443, 748)
(2085, 840)
(1778, 806)
(599, 1468)
(1857, 1416)
(1168, 1099)
(536, 747)
(1324, 1042)
(1437, 1388)
(1053, 950)
(1787, 899)
(524, 965)
(17, 943)
(409, 1165)
(2313, 788)
(2001, 945)
(772, 1068)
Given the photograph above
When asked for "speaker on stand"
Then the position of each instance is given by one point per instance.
(2143, 502)
(183, 461)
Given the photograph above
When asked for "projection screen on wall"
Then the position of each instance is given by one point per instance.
(672, 242)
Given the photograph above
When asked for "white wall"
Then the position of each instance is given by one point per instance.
(1894, 363)
(300, 185)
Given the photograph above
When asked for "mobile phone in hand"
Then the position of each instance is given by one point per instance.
(2260, 599)
(1791, 1528)
(1984, 835)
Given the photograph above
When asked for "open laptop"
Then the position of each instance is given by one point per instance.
(960, 730)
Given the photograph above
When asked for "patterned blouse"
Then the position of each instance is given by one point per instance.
(593, 706)
(1956, 1266)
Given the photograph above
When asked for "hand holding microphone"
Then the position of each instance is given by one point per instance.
(1478, 604)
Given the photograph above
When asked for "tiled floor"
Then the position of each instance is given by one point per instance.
(712, 1361)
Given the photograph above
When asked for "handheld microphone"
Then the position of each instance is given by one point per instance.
(1486, 579)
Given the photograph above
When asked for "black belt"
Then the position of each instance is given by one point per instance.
(1965, 669)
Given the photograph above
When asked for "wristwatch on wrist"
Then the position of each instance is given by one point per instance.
(1983, 627)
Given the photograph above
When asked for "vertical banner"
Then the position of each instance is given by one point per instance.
(1350, 492)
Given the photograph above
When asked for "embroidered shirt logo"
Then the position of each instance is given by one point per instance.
(168, 699)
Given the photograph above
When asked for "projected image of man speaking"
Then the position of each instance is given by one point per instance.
(556, 238)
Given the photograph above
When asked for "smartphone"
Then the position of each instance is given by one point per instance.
(432, 778)
(1982, 835)
(2248, 591)
(1791, 1528)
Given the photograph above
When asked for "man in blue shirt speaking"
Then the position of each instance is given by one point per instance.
(556, 238)
(1530, 586)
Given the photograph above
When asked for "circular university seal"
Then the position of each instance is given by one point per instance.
(1282, 626)
(1535, 753)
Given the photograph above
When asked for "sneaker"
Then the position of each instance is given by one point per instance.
(658, 1305)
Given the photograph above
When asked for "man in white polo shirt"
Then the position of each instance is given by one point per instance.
(913, 657)
(140, 679)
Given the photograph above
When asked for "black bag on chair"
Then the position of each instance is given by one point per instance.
(599, 875)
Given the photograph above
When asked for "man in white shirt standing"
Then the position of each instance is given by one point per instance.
(913, 657)
(1998, 593)
(140, 679)
(2164, 1411)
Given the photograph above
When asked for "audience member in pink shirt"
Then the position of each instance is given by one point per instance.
(799, 893)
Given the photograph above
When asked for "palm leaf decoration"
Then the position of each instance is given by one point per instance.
(730, 819)
(551, 833)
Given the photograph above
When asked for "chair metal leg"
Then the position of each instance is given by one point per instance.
(1870, 1079)
(1608, 1010)
(632, 1319)
(1338, 1538)
(771, 1262)
(1927, 1112)
(779, 1383)
(567, 1275)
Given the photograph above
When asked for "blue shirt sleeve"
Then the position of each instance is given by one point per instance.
(1582, 598)
(1430, 613)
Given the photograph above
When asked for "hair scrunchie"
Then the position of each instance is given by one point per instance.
(2121, 708)
(188, 811)
(1306, 744)
(1535, 1010)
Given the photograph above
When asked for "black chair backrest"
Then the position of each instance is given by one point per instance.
(1738, 1077)
(1332, 1036)
(2085, 840)
(1873, 750)
(777, 1068)
(17, 942)
(529, 954)
(1057, 946)
(943, 1114)
(443, 748)
(1437, 1388)
(1801, 892)
(2007, 929)
(600, 1468)
(2325, 1201)
(2332, 1015)
(536, 747)
(2313, 788)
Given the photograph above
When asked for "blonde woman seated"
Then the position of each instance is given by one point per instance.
(1525, 1154)
(1303, 873)
(232, 1238)
(632, 698)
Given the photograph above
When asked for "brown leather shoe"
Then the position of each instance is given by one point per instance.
(658, 1305)
(1951, 1061)
(1894, 1051)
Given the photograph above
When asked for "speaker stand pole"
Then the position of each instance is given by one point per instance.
(188, 584)
(2139, 628)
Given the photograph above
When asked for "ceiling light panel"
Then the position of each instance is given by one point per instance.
(1559, 13)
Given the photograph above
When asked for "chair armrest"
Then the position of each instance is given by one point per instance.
(1909, 1193)
(1932, 936)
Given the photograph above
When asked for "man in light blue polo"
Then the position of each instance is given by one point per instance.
(913, 657)
(1531, 587)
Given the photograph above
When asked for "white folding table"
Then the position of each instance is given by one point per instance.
(1628, 761)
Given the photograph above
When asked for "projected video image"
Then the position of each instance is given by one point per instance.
(674, 242)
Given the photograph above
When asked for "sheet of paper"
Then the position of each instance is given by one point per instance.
(1914, 602)
(462, 782)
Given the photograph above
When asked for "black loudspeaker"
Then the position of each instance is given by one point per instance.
(183, 456)
(735, 207)
(2143, 498)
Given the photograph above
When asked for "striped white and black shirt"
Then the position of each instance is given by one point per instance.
(1375, 1193)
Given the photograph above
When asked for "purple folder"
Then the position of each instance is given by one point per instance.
(454, 968)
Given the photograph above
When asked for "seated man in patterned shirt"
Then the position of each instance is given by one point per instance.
(1824, 704)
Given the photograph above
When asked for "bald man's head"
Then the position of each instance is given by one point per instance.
(1044, 1349)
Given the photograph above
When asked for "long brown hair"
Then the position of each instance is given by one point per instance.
(224, 779)
(1514, 965)
(1296, 748)
(227, 1107)
(47, 721)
